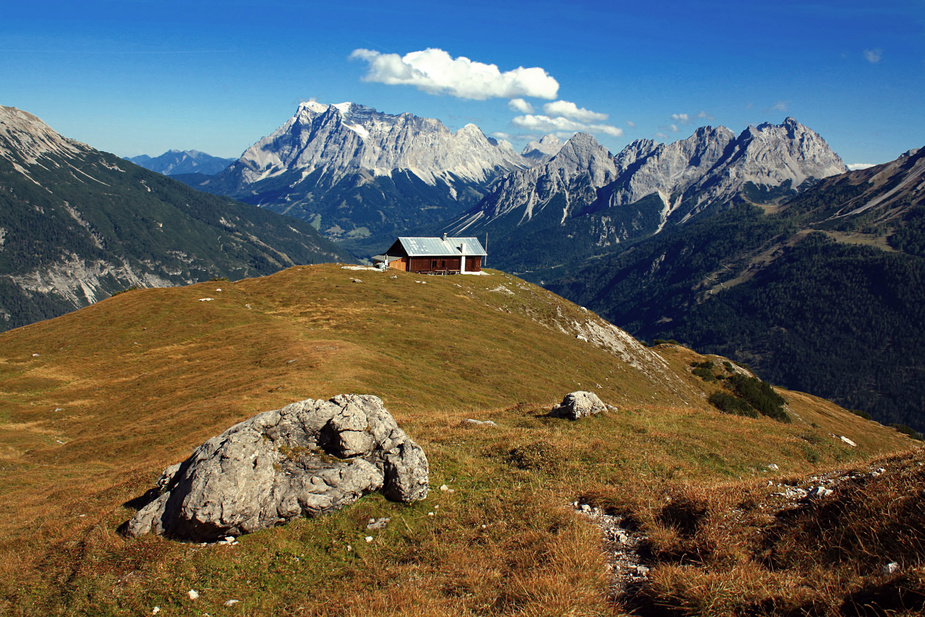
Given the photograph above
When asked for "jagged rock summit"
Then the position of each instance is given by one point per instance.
(348, 137)
(542, 150)
(307, 458)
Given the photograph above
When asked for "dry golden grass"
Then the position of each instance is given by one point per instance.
(122, 389)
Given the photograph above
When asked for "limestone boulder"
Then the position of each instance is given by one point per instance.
(578, 405)
(307, 458)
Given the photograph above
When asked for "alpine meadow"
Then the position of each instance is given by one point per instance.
(414, 309)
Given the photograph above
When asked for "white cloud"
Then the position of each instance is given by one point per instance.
(873, 55)
(520, 106)
(547, 124)
(674, 128)
(703, 115)
(436, 72)
(501, 135)
(682, 118)
(780, 106)
(631, 124)
(857, 166)
(567, 109)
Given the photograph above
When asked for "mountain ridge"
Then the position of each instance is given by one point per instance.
(78, 224)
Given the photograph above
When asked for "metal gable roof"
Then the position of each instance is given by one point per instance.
(442, 247)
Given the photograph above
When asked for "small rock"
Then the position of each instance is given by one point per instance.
(848, 441)
(155, 610)
(444, 487)
(231, 602)
(479, 422)
(819, 492)
(890, 568)
(369, 539)
(193, 594)
(205, 299)
(377, 523)
(773, 467)
(430, 514)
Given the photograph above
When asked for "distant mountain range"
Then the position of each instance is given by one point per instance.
(362, 177)
(174, 162)
(77, 225)
(824, 293)
(586, 201)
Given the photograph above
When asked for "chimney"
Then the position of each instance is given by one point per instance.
(444, 237)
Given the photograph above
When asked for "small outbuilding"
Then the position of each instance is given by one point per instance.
(434, 255)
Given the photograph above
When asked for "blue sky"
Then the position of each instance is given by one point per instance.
(139, 77)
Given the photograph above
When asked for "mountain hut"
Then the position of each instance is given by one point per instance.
(434, 255)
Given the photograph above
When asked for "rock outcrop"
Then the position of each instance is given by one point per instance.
(577, 405)
(307, 458)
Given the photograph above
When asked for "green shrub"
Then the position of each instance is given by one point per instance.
(905, 430)
(728, 403)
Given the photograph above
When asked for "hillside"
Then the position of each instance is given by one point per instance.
(821, 294)
(96, 403)
(77, 225)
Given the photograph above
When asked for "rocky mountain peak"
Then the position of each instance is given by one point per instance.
(347, 138)
(542, 150)
(24, 138)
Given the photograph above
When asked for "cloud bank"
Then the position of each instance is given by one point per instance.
(436, 72)
(549, 124)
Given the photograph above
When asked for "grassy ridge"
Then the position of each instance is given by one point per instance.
(95, 404)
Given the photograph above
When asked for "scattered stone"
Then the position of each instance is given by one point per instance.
(231, 602)
(193, 594)
(369, 539)
(479, 422)
(890, 568)
(444, 487)
(578, 405)
(309, 458)
(622, 546)
(378, 523)
(773, 467)
(205, 299)
(819, 492)
(848, 441)
(155, 610)
(356, 280)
